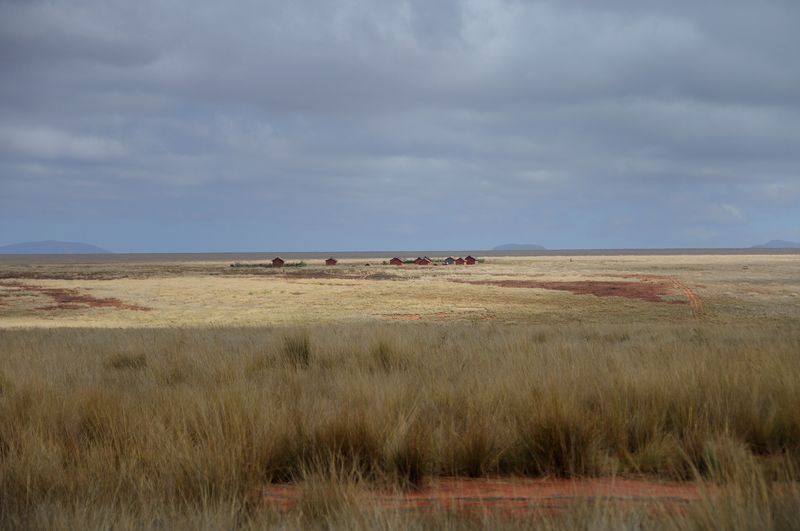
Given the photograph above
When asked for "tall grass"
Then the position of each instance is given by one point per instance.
(297, 349)
(180, 425)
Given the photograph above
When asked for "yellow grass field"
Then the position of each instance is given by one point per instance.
(729, 288)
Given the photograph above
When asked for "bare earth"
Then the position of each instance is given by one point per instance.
(512, 495)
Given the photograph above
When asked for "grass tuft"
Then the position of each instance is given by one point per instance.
(297, 349)
(387, 358)
(127, 361)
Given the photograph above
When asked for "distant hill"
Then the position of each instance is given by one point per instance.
(52, 247)
(519, 247)
(777, 244)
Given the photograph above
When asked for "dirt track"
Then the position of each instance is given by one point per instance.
(511, 495)
(694, 301)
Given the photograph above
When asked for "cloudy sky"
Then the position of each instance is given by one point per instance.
(355, 125)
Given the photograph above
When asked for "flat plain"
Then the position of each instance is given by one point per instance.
(614, 289)
(530, 392)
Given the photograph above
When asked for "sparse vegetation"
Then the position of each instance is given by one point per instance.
(248, 264)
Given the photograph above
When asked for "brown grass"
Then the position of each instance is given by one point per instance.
(136, 427)
(132, 419)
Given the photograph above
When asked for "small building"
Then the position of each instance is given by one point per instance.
(449, 260)
(459, 261)
(423, 261)
(396, 261)
(471, 260)
(277, 262)
(331, 261)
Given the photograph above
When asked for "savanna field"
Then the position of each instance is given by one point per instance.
(647, 392)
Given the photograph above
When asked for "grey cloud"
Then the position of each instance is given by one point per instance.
(512, 109)
(48, 143)
(724, 214)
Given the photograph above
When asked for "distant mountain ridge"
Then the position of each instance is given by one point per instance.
(519, 247)
(777, 244)
(52, 247)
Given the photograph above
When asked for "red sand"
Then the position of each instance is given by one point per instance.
(72, 299)
(512, 495)
(647, 290)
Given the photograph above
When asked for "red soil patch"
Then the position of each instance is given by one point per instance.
(72, 299)
(512, 495)
(646, 290)
(440, 316)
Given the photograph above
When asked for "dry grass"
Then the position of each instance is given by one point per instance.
(184, 427)
(178, 417)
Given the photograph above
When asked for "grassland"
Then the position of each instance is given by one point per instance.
(183, 415)
(732, 289)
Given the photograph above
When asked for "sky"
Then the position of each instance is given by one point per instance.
(207, 126)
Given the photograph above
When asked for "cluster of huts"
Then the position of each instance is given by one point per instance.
(425, 261)
(279, 262)
(421, 260)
